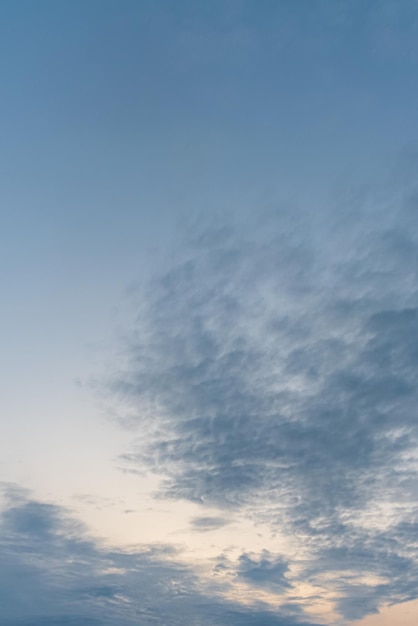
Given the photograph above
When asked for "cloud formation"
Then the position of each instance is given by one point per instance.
(53, 573)
(274, 372)
(264, 571)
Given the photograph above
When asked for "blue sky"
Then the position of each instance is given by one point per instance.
(208, 253)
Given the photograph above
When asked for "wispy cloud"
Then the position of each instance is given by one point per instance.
(206, 523)
(274, 371)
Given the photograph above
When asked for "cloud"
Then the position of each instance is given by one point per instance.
(264, 571)
(206, 523)
(53, 573)
(274, 372)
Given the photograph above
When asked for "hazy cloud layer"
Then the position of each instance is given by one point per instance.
(274, 371)
(52, 573)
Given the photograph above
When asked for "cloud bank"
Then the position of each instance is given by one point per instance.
(273, 373)
(52, 572)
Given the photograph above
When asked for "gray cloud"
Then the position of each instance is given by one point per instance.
(206, 523)
(53, 573)
(276, 373)
(265, 571)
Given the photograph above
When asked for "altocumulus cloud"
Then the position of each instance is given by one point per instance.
(273, 373)
(52, 573)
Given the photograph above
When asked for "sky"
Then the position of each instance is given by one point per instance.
(209, 346)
